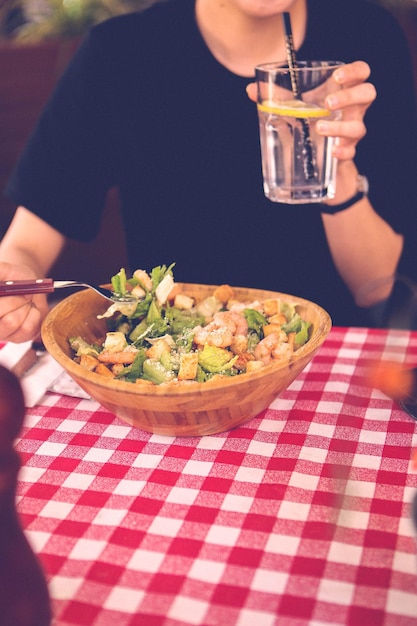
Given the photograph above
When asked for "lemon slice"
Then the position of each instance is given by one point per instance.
(293, 108)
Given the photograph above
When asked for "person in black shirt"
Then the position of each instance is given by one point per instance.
(154, 103)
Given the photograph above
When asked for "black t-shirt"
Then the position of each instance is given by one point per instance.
(144, 106)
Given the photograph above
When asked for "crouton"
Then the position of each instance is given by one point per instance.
(88, 362)
(271, 306)
(277, 318)
(275, 329)
(160, 347)
(181, 301)
(254, 366)
(291, 339)
(117, 368)
(239, 344)
(242, 361)
(223, 293)
(103, 370)
(188, 366)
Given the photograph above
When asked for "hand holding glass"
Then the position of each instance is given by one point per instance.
(297, 164)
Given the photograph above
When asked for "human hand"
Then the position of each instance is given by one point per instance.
(20, 316)
(352, 100)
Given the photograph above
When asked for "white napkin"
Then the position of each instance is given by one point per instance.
(66, 386)
(44, 375)
(12, 353)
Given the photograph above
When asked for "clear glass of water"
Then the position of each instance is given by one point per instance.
(297, 163)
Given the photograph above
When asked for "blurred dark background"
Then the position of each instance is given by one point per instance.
(29, 68)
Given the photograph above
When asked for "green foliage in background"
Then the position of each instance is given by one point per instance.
(39, 20)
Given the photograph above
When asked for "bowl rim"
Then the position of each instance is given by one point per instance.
(181, 388)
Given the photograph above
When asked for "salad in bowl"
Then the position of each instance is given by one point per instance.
(167, 336)
(184, 359)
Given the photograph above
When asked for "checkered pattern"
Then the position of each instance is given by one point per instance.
(300, 517)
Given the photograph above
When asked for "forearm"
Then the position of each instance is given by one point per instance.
(364, 247)
(31, 243)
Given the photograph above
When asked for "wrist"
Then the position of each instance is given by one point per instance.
(359, 192)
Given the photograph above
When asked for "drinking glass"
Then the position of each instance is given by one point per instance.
(297, 163)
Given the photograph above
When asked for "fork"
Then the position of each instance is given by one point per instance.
(48, 285)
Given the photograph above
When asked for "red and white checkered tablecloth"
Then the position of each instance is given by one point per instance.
(300, 517)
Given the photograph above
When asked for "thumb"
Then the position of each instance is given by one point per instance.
(251, 91)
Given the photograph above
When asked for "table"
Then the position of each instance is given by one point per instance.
(302, 516)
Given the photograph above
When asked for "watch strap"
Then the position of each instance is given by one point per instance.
(336, 208)
(361, 192)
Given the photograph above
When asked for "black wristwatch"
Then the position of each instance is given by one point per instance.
(362, 189)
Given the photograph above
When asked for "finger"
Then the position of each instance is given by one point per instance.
(347, 134)
(21, 322)
(352, 73)
(362, 95)
(14, 316)
(14, 305)
(251, 91)
(352, 130)
(24, 326)
(344, 151)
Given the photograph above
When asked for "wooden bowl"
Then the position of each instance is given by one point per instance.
(185, 409)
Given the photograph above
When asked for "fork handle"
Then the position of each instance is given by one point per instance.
(26, 287)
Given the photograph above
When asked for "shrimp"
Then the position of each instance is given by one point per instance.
(144, 279)
(263, 351)
(124, 356)
(283, 352)
(223, 330)
(271, 348)
(234, 321)
(213, 335)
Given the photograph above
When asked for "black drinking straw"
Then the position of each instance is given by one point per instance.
(309, 169)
